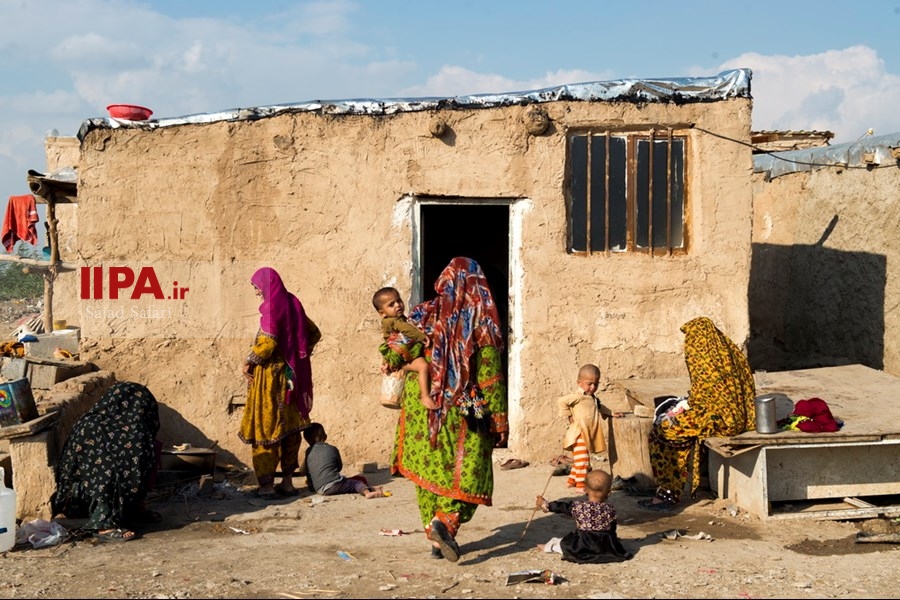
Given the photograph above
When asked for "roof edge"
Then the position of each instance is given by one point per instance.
(734, 83)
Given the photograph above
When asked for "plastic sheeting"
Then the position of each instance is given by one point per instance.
(727, 84)
(851, 154)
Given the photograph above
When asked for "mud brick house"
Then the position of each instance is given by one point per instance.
(605, 215)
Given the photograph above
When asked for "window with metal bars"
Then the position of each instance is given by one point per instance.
(626, 192)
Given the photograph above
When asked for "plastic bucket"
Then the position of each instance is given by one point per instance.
(7, 515)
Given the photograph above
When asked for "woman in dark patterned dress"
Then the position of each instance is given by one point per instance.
(109, 461)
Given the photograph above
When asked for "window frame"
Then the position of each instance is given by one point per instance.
(630, 166)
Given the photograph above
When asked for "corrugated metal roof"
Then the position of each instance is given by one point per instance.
(60, 186)
(792, 133)
(783, 141)
(728, 84)
(868, 151)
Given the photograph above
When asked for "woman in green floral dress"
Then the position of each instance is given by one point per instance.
(447, 452)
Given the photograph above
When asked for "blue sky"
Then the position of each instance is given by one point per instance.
(817, 65)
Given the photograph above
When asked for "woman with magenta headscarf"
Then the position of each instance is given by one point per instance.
(447, 452)
(280, 390)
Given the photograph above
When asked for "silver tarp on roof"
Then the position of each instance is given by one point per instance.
(728, 84)
(851, 154)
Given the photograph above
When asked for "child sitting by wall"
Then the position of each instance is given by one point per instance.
(323, 466)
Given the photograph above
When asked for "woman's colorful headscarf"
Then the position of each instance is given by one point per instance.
(282, 317)
(460, 320)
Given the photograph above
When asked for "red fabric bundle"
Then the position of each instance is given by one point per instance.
(19, 221)
(819, 415)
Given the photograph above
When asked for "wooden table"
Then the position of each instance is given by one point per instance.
(850, 473)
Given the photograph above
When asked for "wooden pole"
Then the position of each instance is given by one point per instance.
(546, 485)
(630, 454)
(50, 274)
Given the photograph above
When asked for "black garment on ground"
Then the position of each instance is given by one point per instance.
(586, 546)
(109, 458)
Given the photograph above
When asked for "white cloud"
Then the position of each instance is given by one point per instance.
(458, 81)
(844, 91)
(97, 49)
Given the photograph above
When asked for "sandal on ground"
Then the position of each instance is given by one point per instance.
(114, 535)
(562, 470)
(660, 506)
(448, 546)
(562, 460)
(280, 491)
(146, 517)
(265, 495)
(662, 501)
(513, 463)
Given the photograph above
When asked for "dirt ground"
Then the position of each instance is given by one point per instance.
(223, 542)
(219, 541)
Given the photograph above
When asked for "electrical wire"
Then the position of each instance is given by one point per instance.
(796, 162)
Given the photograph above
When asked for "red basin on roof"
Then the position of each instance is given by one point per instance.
(130, 112)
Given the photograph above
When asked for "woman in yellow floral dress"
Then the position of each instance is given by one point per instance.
(721, 403)
(280, 390)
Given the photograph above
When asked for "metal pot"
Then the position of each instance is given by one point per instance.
(194, 460)
(766, 421)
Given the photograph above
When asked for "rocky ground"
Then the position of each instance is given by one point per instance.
(229, 544)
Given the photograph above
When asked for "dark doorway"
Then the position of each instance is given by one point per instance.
(478, 231)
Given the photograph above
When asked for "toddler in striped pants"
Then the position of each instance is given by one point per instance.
(585, 415)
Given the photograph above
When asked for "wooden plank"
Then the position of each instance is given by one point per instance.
(800, 437)
(30, 427)
(878, 538)
(51, 191)
(867, 400)
(35, 263)
(724, 447)
(823, 514)
(858, 503)
(644, 391)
